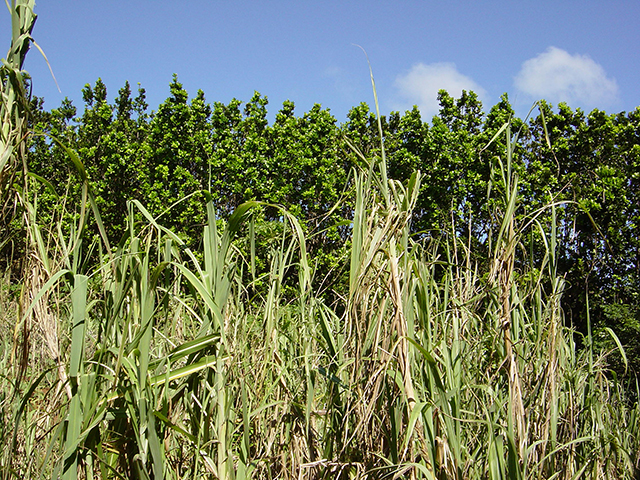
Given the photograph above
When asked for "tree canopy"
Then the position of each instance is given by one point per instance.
(586, 164)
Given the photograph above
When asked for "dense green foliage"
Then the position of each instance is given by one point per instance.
(588, 164)
(194, 293)
(431, 363)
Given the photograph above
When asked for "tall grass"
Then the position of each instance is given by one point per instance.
(170, 362)
(176, 368)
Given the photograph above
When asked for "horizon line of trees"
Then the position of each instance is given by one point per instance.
(587, 164)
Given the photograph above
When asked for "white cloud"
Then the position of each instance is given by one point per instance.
(557, 76)
(420, 86)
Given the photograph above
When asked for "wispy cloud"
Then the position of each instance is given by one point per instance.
(420, 85)
(558, 76)
(342, 82)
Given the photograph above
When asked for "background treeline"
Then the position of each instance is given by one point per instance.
(588, 164)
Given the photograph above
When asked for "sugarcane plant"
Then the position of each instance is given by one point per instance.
(169, 360)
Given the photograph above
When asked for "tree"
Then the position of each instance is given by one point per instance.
(175, 167)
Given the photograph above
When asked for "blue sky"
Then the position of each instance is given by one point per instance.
(586, 53)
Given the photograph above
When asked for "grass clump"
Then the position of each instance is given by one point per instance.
(431, 364)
